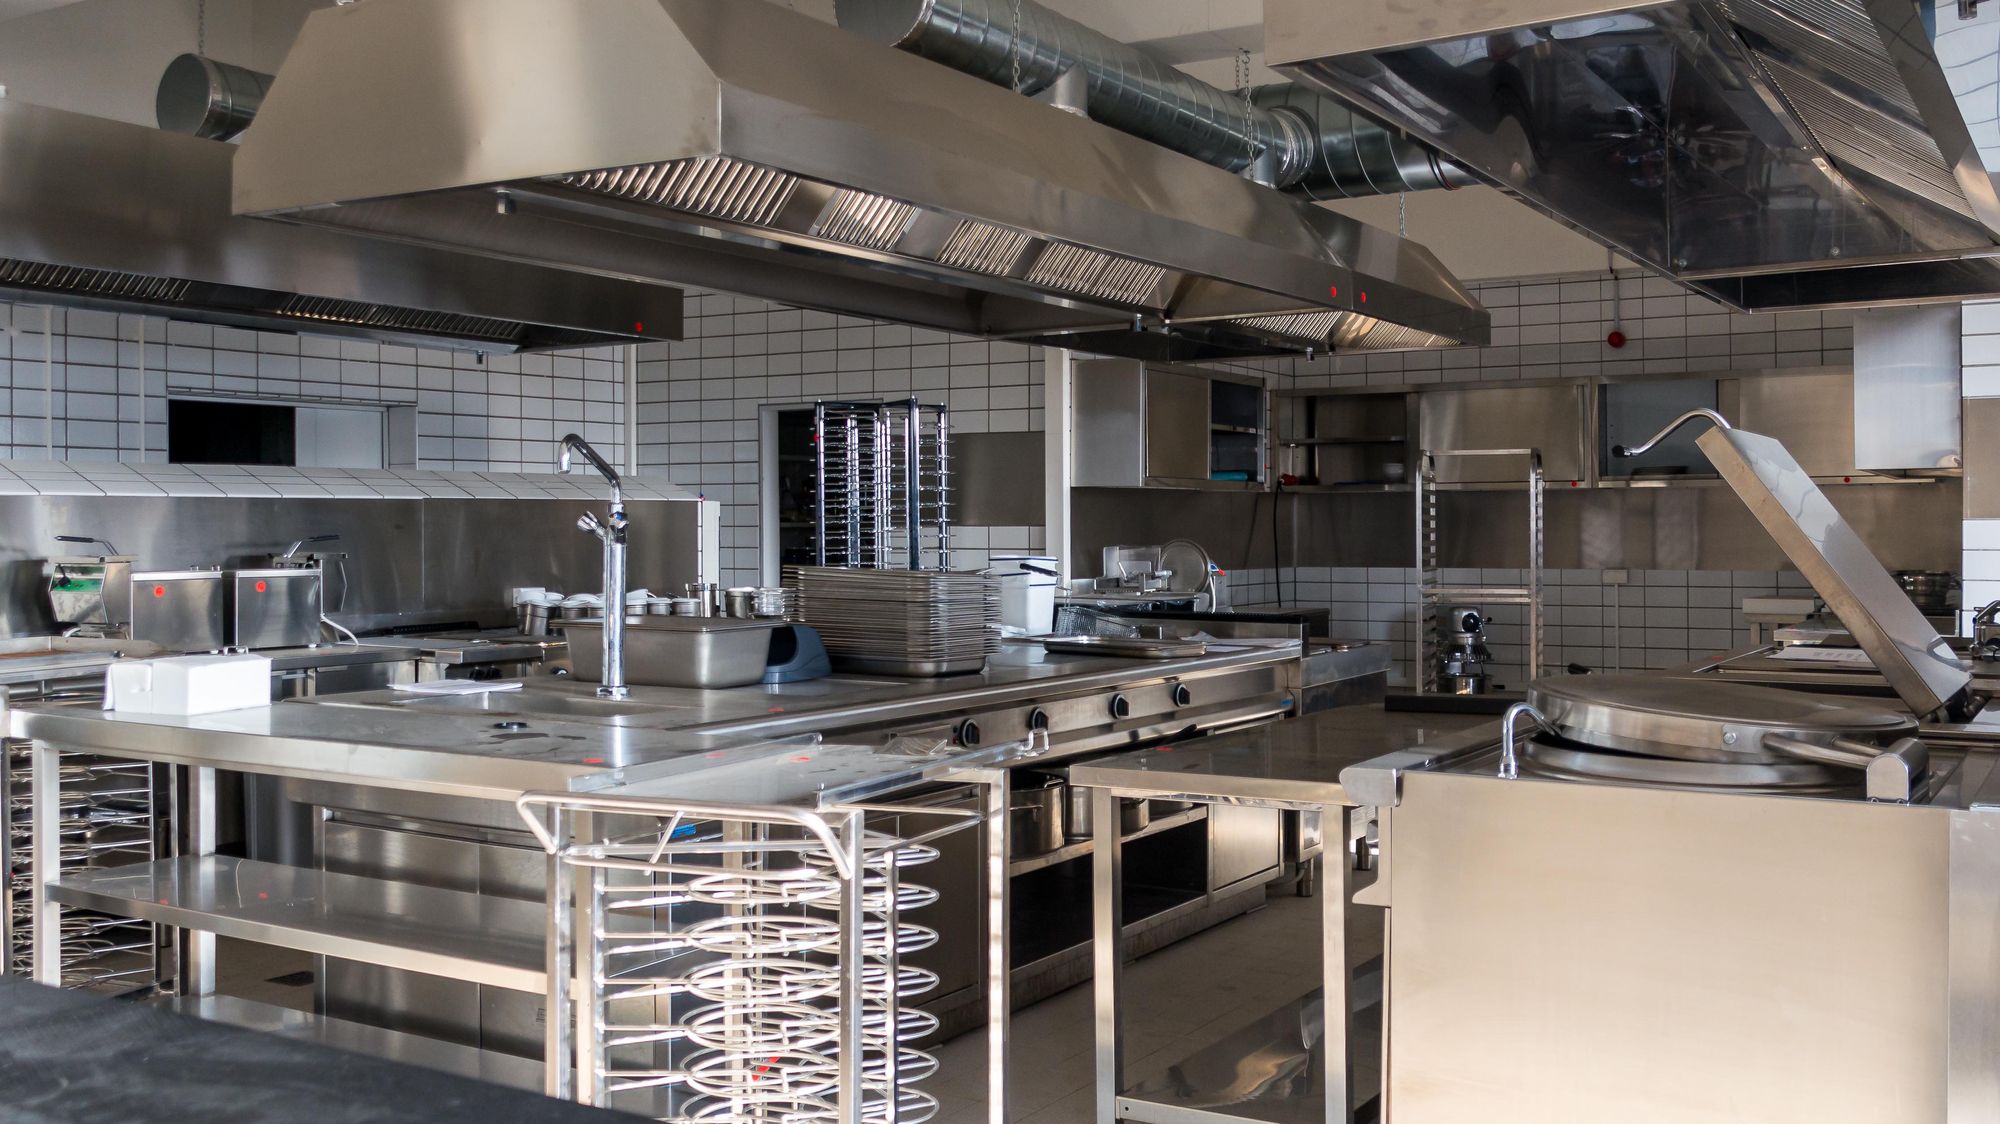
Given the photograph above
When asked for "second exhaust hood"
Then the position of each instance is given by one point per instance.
(108, 215)
(743, 147)
(1769, 153)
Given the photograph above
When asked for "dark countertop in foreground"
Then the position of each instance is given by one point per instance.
(66, 1056)
(1297, 761)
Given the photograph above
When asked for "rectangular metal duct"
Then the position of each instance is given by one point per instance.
(745, 148)
(102, 214)
(1770, 153)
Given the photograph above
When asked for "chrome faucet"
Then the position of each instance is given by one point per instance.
(612, 535)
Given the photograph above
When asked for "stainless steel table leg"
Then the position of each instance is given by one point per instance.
(1108, 925)
(853, 966)
(195, 974)
(1337, 973)
(46, 781)
(999, 1003)
(558, 1031)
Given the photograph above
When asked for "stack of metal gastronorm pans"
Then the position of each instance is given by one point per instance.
(902, 622)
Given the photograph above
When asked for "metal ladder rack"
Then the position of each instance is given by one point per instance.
(1431, 592)
(733, 962)
(883, 494)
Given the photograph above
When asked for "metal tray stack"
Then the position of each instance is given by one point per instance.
(902, 622)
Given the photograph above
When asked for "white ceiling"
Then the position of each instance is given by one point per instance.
(12, 8)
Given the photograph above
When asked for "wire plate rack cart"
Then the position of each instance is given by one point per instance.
(1431, 593)
(726, 961)
(884, 485)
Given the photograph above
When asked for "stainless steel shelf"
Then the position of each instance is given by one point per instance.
(1227, 1079)
(360, 1038)
(1480, 594)
(1084, 847)
(445, 933)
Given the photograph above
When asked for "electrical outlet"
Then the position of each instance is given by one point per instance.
(1617, 577)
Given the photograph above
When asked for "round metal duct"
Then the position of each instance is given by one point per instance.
(205, 98)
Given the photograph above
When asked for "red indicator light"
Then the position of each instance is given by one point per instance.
(159, 591)
(1364, 296)
(774, 710)
(1573, 483)
(803, 759)
(261, 587)
(1333, 290)
(263, 895)
(593, 760)
(638, 325)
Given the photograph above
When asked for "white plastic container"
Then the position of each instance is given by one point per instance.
(1028, 585)
(188, 684)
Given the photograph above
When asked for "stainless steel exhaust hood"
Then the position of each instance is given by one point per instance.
(1772, 153)
(746, 148)
(103, 214)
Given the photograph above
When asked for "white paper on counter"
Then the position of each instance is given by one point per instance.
(458, 686)
(1854, 656)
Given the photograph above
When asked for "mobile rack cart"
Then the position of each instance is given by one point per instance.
(728, 961)
(884, 485)
(1431, 593)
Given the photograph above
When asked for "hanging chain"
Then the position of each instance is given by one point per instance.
(1403, 214)
(1017, 47)
(201, 27)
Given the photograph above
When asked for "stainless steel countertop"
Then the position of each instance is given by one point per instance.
(1293, 763)
(571, 741)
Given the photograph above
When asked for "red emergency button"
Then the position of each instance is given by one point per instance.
(159, 591)
(261, 587)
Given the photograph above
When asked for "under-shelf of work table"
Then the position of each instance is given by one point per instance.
(1293, 765)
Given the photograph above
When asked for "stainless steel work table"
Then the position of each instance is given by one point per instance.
(1293, 765)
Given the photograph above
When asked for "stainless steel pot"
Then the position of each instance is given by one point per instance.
(1035, 817)
(534, 620)
(1079, 823)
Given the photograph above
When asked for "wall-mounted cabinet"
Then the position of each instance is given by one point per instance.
(1368, 440)
(1146, 425)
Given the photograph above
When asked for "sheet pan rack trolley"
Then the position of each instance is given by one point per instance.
(1432, 594)
(883, 489)
(733, 962)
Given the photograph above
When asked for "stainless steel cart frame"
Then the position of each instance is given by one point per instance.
(1107, 885)
(805, 1019)
(1431, 593)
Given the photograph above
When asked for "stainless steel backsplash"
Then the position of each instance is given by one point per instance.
(409, 561)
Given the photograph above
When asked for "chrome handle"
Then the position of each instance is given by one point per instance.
(1510, 765)
(1720, 423)
(1889, 774)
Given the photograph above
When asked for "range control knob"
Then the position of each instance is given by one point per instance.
(1182, 696)
(1120, 707)
(968, 733)
(1038, 719)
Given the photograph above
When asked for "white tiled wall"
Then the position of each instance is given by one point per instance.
(698, 400)
(1656, 619)
(1981, 546)
(499, 413)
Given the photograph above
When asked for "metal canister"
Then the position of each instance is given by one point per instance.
(708, 596)
(534, 620)
(741, 601)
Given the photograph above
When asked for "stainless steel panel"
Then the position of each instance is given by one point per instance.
(1108, 400)
(1982, 458)
(996, 479)
(1907, 650)
(181, 610)
(1549, 418)
(1553, 956)
(129, 217)
(1242, 842)
(408, 561)
(677, 86)
(1811, 415)
(1972, 957)
(1906, 387)
(275, 608)
(1176, 427)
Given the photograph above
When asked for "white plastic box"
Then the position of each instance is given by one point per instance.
(188, 684)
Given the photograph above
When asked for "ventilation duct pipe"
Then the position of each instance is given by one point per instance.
(204, 98)
(1282, 135)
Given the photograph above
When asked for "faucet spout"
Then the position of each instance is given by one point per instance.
(572, 444)
(612, 533)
